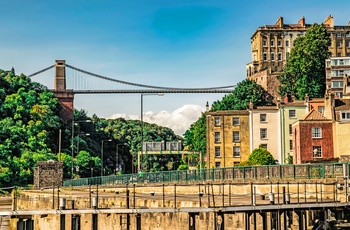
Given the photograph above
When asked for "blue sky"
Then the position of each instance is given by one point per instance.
(167, 43)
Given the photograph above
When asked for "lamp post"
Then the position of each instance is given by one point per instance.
(74, 122)
(117, 158)
(142, 95)
(102, 174)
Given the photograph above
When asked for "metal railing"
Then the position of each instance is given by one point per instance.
(300, 171)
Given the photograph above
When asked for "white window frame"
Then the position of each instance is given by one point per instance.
(318, 153)
(345, 115)
(279, 56)
(264, 43)
(236, 151)
(272, 42)
(236, 137)
(287, 43)
(265, 56)
(337, 84)
(217, 137)
(216, 121)
(234, 121)
(217, 151)
(264, 146)
(263, 133)
(272, 56)
(292, 113)
(279, 43)
(316, 132)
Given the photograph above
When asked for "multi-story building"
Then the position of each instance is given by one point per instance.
(337, 70)
(227, 138)
(291, 112)
(323, 136)
(265, 129)
(312, 138)
(272, 44)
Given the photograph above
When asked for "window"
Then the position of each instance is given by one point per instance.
(287, 43)
(337, 84)
(341, 73)
(217, 151)
(291, 145)
(235, 121)
(339, 94)
(338, 54)
(263, 117)
(280, 56)
(217, 165)
(292, 113)
(264, 146)
(264, 43)
(272, 55)
(316, 151)
(345, 115)
(287, 55)
(217, 137)
(236, 151)
(348, 44)
(320, 109)
(279, 43)
(217, 121)
(272, 42)
(347, 34)
(290, 130)
(235, 135)
(338, 43)
(263, 133)
(316, 132)
(338, 34)
(265, 56)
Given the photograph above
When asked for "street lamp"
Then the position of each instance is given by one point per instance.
(102, 174)
(74, 122)
(117, 158)
(145, 94)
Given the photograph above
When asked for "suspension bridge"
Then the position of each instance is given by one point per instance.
(85, 82)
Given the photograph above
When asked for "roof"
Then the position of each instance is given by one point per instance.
(228, 112)
(314, 115)
(342, 104)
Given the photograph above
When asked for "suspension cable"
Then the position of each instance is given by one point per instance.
(41, 71)
(145, 86)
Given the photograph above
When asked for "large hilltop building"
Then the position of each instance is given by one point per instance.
(272, 44)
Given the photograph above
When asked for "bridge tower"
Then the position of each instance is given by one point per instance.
(64, 96)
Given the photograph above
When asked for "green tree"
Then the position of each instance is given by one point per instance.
(260, 156)
(304, 72)
(246, 91)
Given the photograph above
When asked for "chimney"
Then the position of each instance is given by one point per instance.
(207, 106)
(279, 22)
(251, 106)
(285, 99)
(329, 104)
(329, 21)
(301, 22)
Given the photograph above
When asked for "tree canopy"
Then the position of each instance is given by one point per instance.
(260, 156)
(304, 72)
(30, 129)
(246, 91)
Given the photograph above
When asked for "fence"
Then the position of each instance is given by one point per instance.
(301, 171)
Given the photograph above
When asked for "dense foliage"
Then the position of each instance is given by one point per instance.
(246, 91)
(30, 130)
(29, 122)
(260, 156)
(304, 72)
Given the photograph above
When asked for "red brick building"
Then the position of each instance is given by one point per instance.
(312, 138)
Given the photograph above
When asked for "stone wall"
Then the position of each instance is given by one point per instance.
(47, 174)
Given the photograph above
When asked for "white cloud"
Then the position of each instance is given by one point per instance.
(179, 120)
